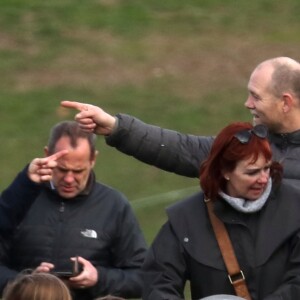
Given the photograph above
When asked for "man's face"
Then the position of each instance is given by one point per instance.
(73, 169)
(264, 106)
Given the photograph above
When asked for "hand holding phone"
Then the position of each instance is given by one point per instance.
(74, 270)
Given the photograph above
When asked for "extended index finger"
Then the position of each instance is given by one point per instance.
(57, 155)
(73, 104)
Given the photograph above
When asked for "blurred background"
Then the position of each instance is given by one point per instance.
(179, 64)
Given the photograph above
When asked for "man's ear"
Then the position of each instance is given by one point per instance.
(93, 161)
(46, 151)
(288, 102)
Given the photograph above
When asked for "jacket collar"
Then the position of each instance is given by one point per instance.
(89, 185)
(283, 140)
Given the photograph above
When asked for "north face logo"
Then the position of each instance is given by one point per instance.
(89, 233)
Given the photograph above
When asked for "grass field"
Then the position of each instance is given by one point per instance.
(178, 64)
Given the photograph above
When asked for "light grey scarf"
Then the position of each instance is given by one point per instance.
(248, 206)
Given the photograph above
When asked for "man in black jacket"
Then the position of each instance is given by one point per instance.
(76, 217)
(273, 100)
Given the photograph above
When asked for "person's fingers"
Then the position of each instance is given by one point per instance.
(50, 161)
(81, 260)
(83, 120)
(47, 161)
(89, 127)
(47, 265)
(45, 178)
(44, 171)
(73, 104)
(44, 267)
(40, 169)
(57, 155)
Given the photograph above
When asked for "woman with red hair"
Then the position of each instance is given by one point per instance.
(260, 213)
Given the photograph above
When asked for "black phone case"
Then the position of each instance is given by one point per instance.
(76, 270)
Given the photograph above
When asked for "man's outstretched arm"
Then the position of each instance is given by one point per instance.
(166, 149)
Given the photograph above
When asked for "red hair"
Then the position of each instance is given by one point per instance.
(226, 152)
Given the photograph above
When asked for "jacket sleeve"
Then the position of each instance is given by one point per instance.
(128, 253)
(16, 200)
(166, 149)
(6, 274)
(290, 287)
(164, 269)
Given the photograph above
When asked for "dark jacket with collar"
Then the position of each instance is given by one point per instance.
(266, 243)
(98, 225)
(183, 153)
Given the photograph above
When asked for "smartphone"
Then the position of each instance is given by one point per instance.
(74, 270)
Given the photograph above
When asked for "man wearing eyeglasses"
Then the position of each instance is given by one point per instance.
(273, 100)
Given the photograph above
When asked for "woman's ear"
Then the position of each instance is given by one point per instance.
(226, 175)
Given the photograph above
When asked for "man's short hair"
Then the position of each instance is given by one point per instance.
(72, 130)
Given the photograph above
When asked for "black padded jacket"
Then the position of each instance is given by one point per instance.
(98, 225)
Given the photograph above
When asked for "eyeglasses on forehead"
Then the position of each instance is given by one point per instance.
(244, 136)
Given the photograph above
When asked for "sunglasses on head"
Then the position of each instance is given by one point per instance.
(244, 136)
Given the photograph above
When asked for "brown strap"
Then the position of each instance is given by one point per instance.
(235, 274)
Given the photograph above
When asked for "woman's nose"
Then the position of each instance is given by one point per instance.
(264, 177)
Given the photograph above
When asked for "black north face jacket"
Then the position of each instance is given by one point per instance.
(98, 225)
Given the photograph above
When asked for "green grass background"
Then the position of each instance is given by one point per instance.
(178, 64)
